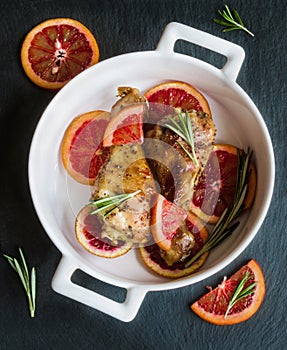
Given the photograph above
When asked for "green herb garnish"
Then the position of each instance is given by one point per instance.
(28, 280)
(232, 21)
(108, 204)
(223, 227)
(240, 293)
(183, 128)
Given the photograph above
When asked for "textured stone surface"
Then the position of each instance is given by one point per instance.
(164, 320)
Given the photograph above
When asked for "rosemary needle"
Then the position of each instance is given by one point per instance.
(28, 280)
(183, 128)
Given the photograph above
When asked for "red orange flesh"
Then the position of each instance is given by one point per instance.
(215, 188)
(56, 50)
(82, 149)
(212, 306)
(125, 127)
(88, 232)
(175, 94)
(166, 218)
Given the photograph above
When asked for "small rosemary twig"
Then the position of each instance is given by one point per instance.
(232, 21)
(240, 293)
(108, 204)
(183, 128)
(28, 280)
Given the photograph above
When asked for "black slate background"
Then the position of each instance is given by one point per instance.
(164, 320)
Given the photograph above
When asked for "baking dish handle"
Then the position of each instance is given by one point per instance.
(63, 284)
(176, 31)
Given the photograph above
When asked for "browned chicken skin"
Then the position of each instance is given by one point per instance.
(174, 170)
(126, 171)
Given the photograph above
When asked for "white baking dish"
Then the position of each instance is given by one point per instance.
(57, 198)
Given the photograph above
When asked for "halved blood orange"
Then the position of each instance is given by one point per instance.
(152, 257)
(175, 94)
(212, 306)
(126, 126)
(56, 50)
(82, 148)
(166, 218)
(88, 229)
(215, 189)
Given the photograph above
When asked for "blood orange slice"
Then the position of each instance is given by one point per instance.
(215, 189)
(152, 257)
(126, 126)
(166, 218)
(56, 50)
(88, 229)
(212, 306)
(175, 94)
(82, 150)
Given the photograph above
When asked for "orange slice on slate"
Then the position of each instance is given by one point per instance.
(56, 50)
(82, 148)
(212, 306)
(215, 189)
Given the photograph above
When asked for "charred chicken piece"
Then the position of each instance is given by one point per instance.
(128, 95)
(181, 245)
(174, 170)
(126, 171)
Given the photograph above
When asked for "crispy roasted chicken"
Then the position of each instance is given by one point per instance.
(126, 171)
(160, 160)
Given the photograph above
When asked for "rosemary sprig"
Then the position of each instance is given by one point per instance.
(183, 128)
(224, 226)
(240, 293)
(28, 280)
(232, 21)
(108, 204)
